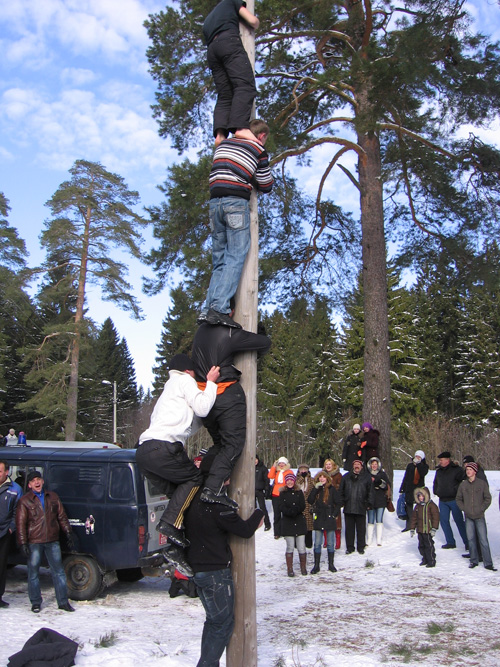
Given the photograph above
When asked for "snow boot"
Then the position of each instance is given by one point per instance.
(380, 530)
(331, 566)
(289, 564)
(369, 534)
(338, 534)
(317, 558)
(303, 563)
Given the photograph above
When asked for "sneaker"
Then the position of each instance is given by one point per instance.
(471, 565)
(174, 555)
(174, 534)
(209, 496)
(449, 546)
(214, 317)
(66, 607)
(490, 567)
(3, 603)
(35, 608)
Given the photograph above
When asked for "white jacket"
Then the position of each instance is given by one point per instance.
(180, 401)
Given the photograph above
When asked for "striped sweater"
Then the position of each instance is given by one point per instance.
(238, 164)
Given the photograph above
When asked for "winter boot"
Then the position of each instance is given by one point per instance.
(380, 530)
(317, 558)
(289, 564)
(303, 563)
(369, 534)
(331, 566)
(338, 534)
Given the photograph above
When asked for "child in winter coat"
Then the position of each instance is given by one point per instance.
(293, 523)
(425, 520)
(326, 505)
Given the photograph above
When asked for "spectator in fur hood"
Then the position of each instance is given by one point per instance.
(425, 520)
(277, 477)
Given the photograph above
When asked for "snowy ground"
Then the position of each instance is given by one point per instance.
(379, 608)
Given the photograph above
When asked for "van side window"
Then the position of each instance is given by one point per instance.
(121, 484)
(83, 482)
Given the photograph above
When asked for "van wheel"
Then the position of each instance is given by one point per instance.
(129, 574)
(85, 579)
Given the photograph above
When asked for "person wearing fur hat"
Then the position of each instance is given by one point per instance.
(369, 442)
(355, 496)
(277, 477)
(293, 523)
(447, 479)
(474, 498)
(413, 478)
(351, 447)
(425, 520)
(381, 493)
(325, 502)
(305, 483)
(333, 470)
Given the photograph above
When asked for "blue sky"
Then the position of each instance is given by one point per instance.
(74, 84)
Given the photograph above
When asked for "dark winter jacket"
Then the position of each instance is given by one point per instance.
(325, 502)
(217, 345)
(414, 478)
(425, 516)
(356, 492)
(46, 647)
(381, 488)
(208, 527)
(261, 478)
(369, 444)
(36, 525)
(350, 451)
(474, 498)
(292, 505)
(447, 480)
(306, 485)
(10, 492)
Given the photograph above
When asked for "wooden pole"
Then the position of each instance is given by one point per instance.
(242, 650)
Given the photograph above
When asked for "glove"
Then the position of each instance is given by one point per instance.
(432, 532)
(412, 533)
(71, 541)
(318, 485)
(25, 548)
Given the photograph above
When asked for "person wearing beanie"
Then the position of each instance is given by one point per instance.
(480, 470)
(293, 523)
(325, 501)
(305, 483)
(161, 456)
(356, 495)
(474, 498)
(425, 520)
(333, 470)
(369, 442)
(351, 447)
(447, 479)
(262, 490)
(413, 478)
(277, 477)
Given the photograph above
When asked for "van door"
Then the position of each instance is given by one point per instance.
(122, 518)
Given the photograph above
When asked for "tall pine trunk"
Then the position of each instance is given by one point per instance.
(376, 390)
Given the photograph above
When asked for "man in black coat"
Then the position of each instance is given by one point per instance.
(226, 421)
(208, 527)
(355, 496)
(447, 479)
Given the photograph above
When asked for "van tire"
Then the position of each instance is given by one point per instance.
(129, 574)
(84, 577)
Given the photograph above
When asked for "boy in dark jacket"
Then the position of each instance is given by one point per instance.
(425, 520)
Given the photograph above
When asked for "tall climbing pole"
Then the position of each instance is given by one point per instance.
(242, 650)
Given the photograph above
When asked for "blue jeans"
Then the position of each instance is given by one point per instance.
(318, 541)
(52, 552)
(376, 515)
(216, 591)
(445, 508)
(230, 224)
(479, 525)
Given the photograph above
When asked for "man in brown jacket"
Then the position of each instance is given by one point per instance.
(39, 519)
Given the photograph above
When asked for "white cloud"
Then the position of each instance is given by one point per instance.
(75, 76)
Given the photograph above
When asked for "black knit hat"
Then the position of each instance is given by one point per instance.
(32, 475)
(180, 362)
(444, 455)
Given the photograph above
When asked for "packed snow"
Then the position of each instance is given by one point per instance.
(379, 608)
